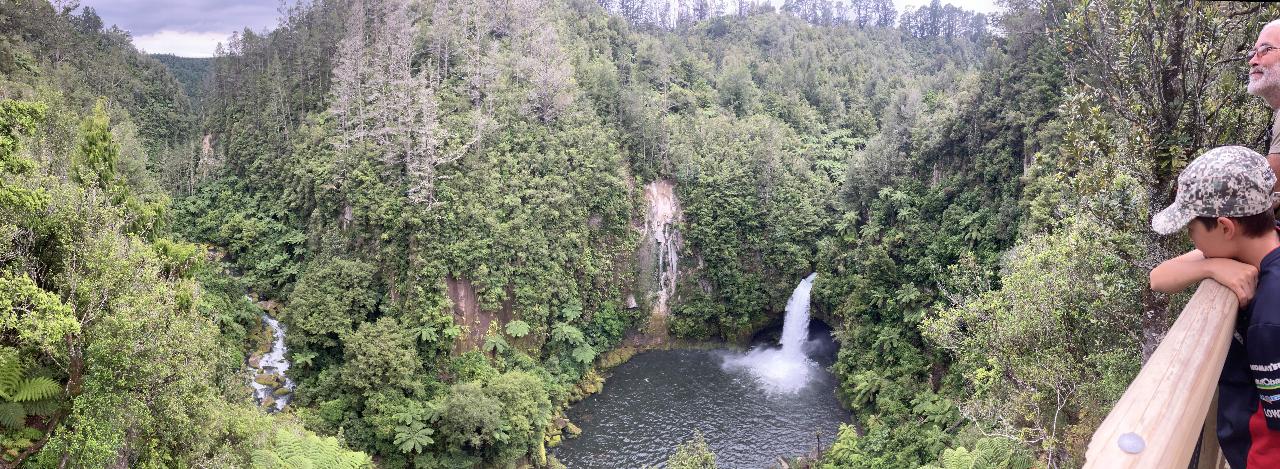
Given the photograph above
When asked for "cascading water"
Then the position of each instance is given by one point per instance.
(660, 226)
(795, 326)
(785, 369)
(270, 377)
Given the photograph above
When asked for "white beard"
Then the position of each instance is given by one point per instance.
(1268, 85)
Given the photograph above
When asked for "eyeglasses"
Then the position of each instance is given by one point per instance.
(1260, 51)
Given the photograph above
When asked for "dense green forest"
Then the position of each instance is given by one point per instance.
(190, 73)
(467, 209)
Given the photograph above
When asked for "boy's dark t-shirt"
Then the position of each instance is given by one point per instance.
(1249, 388)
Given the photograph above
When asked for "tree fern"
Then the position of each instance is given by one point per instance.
(427, 333)
(20, 398)
(299, 462)
(12, 414)
(571, 311)
(517, 328)
(988, 453)
(1001, 453)
(584, 353)
(355, 460)
(413, 438)
(35, 389)
(306, 450)
(958, 458)
(266, 459)
(323, 451)
(44, 407)
(495, 344)
(304, 358)
(564, 332)
(288, 445)
(10, 372)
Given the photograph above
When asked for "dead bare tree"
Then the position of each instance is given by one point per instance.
(383, 105)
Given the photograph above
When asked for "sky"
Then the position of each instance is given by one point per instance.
(193, 28)
(980, 6)
(188, 28)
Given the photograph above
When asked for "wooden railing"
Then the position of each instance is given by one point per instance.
(1162, 415)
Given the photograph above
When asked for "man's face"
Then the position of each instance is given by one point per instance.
(1264, 68)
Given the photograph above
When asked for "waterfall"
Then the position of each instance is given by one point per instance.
(786, 369)
(660, 223)
(795, 327)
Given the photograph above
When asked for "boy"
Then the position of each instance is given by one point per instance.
(1224, 199)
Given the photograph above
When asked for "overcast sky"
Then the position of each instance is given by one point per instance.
(190, 28)
(193, 28)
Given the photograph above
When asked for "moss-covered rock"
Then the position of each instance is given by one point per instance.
(280, 391)
(591, 383)
(616, 357)
(572, 430)
(554, 463)
(263, 338)
(268, 379)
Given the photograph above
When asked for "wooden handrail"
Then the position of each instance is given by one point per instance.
(1162, 413)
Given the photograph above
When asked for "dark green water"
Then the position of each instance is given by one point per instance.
(655, 401)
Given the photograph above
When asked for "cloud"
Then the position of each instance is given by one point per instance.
(147, 17)
(181, 43)
(980, 6)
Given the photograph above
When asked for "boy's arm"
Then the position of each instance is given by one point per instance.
(1176, 274)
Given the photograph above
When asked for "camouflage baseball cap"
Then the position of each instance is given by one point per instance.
(1222, 182)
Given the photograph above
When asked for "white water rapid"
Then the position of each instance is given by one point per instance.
(273, 363)
(786, 369)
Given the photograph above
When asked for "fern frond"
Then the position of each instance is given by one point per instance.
(517, 328)
(323, 451)
(265, 459)
(12, 415)
(10, 372)
(289, 445)
(584, 353)
(958, 458)
(495, 344)
(413, 438)
(36, 388)
(564, 332)
(571, 311)
(355, 460)
(299, 462)
(44, 407)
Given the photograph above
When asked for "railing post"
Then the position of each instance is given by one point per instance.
(1158, 420)
(1208, 454)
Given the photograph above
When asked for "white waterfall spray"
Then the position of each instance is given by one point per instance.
(785, 369)
(795, 327)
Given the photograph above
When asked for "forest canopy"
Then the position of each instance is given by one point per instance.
(454, 208)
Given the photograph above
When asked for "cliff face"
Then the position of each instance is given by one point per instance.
(468, 314)
(657, 263)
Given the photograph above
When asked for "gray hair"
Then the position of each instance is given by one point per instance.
(1271, 23)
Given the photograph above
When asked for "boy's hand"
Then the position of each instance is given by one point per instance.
(1241, 278)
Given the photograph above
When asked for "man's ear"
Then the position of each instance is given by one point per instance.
(1229, 227)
